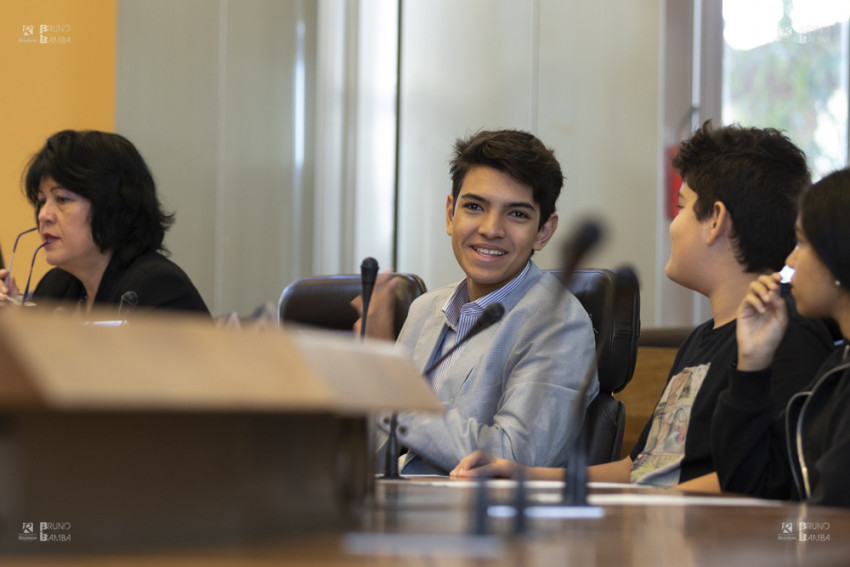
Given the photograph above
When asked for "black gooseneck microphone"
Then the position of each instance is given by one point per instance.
(588, 234)
(491, 315)
(368, 274)
(129, 300)
(391, 455)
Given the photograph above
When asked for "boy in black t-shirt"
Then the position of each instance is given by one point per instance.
(737, 208)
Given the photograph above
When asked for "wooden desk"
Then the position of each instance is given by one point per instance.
(423, 520)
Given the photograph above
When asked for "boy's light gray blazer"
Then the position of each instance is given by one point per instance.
(510, 391)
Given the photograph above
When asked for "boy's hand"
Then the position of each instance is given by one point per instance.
(380, 323)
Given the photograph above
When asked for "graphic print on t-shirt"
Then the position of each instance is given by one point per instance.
(660, 461)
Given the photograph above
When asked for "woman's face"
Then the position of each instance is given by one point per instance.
(812, 285)
(64, 222)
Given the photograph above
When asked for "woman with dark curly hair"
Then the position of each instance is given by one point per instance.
(102, 227)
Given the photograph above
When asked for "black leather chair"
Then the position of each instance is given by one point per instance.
(605, 420)
(323, 301)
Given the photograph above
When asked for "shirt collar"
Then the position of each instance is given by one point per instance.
(459, 300)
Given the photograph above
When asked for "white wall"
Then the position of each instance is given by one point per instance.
(206, 90)
(583, 76)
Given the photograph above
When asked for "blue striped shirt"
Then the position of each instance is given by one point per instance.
(461, 314)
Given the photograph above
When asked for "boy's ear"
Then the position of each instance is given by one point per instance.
(720, 223)
(450, 213)
(546, 231)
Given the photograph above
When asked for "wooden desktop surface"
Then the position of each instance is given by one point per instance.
(428, 522)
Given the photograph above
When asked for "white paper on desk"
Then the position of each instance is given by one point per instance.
(438, 480)
(672, 499)
(442, 480)
(631, 498)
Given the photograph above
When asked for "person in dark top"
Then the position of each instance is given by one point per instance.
(804, 453)
(737, 207)
(102, 227)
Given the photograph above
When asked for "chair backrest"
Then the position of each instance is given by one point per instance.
(323, 301)
(619, 339)
(614, 295)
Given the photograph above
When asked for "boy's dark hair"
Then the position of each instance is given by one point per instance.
(759, 175)
(105, 168)
(823, 216)
(515, 153)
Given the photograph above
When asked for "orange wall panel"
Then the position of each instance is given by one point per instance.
(57, 59)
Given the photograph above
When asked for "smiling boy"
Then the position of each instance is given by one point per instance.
(510, 389)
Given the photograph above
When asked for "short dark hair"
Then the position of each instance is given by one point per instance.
(516, 153)
(105, 168)
(823, 216)
(758, 174)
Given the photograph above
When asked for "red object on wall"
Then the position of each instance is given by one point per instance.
(674, 182)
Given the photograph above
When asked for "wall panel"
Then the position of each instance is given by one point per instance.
(206, 89)
(55, 77)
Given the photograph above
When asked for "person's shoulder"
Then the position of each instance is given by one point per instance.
(56, 276)
(56, 283)
(161, 283)
(544, 287)
(154, 261)
(705, 338)
(152, 270)
(546, 281)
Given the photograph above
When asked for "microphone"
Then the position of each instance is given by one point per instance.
(575, 476)
(489, 317)
(12, 257)
(129, 299)
(391, 456)
(368, 274)
(588, 234)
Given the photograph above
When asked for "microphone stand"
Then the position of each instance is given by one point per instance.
(585, 237)
(575, 475)
(368, 274)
